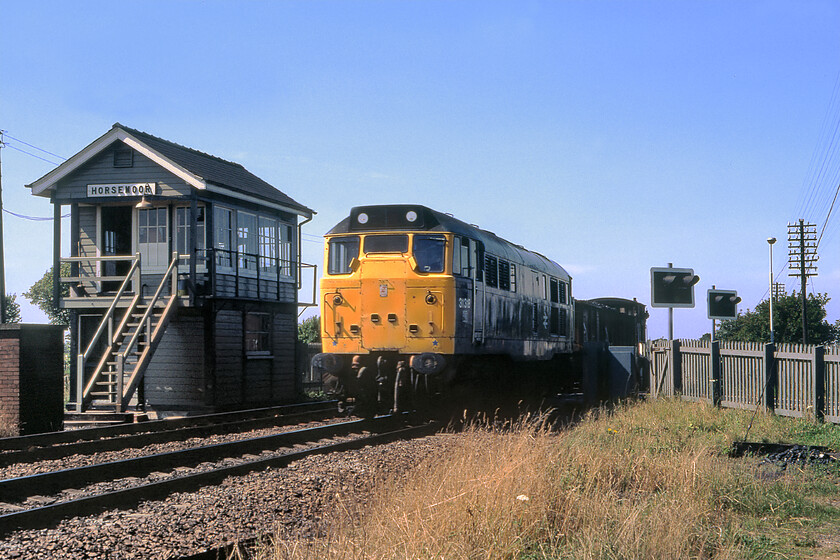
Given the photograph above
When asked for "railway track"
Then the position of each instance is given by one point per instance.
(90, 440)
(42, 500)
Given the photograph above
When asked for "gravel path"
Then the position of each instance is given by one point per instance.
(293, 498)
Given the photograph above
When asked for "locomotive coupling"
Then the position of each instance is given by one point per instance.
(428, 363)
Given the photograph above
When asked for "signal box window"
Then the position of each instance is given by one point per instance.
(386, 244)
(247, 245)
(258, 333)
(429, 252)
(224, 229)
(183, 223)
(267, 236)
(286, 254)
(183, 219)
(342, 251)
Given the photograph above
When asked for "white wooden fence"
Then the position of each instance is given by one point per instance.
(788, 379)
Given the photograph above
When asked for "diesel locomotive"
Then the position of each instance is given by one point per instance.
(414, 300)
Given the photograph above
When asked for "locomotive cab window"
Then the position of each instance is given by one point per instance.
(386, 244)
(429, 252)
(342, 251)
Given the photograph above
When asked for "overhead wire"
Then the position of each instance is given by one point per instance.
(33, 218)
(821, 184)
(806, 192)
(30, 153)
(812, 197)
(7, 135)
(828, 216)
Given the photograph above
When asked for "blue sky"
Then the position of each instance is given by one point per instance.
(611, 136)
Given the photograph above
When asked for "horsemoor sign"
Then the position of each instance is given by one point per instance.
(122, 189)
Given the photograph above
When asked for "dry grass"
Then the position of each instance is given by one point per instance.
(7, 426)
(647, 481)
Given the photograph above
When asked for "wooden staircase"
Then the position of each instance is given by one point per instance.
(129, 348)
(123, 358)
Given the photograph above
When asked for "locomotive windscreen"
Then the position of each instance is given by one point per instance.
(342, 251)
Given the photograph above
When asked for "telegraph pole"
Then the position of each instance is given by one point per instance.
(802, 258)
(2, 258)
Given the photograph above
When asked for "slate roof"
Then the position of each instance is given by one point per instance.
(215, 170)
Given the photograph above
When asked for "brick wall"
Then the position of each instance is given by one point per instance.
(31, 378)
(9, 381)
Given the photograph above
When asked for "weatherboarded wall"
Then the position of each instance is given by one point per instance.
(176, 378)
(101, 170)
(245, 378)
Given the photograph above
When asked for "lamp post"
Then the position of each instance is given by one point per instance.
(770, 241)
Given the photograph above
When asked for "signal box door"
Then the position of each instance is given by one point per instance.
(383, 304)
(115, 241)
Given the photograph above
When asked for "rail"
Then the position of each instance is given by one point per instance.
(345, 436)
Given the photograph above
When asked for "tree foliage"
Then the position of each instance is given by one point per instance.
(41, 294)
(12, 309)
(754, 326)
(309, 330)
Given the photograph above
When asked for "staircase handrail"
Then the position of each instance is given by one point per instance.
(125, 393)
(106, 320)
(171, 274)
(171, 271)
(112, 338)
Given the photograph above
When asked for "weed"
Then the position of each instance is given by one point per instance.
(647, 480)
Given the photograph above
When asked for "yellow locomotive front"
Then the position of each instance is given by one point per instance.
(387, 319)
